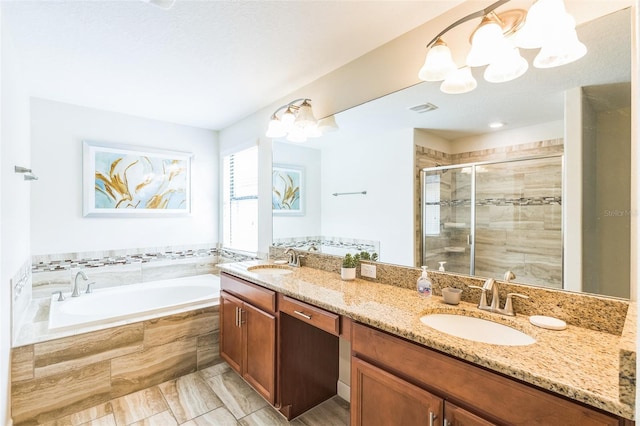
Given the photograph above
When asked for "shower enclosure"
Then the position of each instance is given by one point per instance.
(489, 217)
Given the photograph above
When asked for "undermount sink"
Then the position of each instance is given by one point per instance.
(270, 269)
(477, 329)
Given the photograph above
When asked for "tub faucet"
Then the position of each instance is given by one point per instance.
(76, 292)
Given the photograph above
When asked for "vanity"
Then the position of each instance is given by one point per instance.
(405, 372)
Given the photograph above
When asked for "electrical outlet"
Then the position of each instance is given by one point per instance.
(367, 270)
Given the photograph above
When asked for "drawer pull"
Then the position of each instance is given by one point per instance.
(432, 418)
(302, 314)
(237, 322)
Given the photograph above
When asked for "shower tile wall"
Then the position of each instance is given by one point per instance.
(516, 207)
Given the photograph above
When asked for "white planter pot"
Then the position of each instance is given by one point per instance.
(348, 274)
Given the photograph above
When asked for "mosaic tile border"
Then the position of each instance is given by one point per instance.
(67, 261)
(307, 243)
(529, 201)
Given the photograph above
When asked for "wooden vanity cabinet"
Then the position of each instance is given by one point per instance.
(248, 333)
(391, 375)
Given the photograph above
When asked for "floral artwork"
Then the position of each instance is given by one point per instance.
(287, 193)
(132, 180)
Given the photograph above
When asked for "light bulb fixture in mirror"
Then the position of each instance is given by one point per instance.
(297, 122)
(496, 44)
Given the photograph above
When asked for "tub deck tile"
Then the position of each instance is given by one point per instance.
(60, 355)
(22, 363)
(153, 365)
(208, 350)
(160, 331)
(61, 394)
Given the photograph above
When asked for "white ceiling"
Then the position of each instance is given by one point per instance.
(201, 63)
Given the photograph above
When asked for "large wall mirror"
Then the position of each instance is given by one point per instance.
(366, 186)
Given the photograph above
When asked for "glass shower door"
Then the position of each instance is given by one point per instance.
(447, 219)
(518, 213)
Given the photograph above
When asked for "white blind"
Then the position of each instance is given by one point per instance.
(240, 200)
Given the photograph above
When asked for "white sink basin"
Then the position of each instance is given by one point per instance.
(477, 329)
(270, 269)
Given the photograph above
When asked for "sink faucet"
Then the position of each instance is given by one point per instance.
(294, 257)
(491, 285)
(76, 292)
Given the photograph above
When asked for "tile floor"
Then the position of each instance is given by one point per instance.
(213, 396)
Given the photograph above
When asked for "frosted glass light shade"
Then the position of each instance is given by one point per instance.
(507, 68)
(438, 64)
(287, 118)
(486, 42)
(275, 129)
(296, 134)
(563, 48)
(460, 81)
(305, 116)
(328, 124)
(540, 24)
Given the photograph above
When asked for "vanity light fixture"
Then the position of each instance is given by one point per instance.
(496, 44)
(496, 125)
(297, 122)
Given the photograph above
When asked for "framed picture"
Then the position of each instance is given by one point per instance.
(287, 196)
(129, 181)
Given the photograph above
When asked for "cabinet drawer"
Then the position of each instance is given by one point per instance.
(312, 315)
(260, 297)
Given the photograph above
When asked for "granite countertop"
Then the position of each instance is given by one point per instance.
(589, 366)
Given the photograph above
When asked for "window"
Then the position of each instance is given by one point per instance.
(240, 200)
(432, 205)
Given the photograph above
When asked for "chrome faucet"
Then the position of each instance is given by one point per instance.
(508, 276)
(491, 285)
(76, 291)
(294, 257)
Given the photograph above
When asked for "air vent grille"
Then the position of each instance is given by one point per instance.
(424, 108)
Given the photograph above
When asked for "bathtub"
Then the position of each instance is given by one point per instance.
(132, 301)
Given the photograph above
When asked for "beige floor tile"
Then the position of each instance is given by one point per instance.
(218, 417)
(138, 406)
(237, 395)
(85, 417)
(107, 420)
(189, 397)
(267, 416)
(161, 419)
(215, 370)
(334, 412)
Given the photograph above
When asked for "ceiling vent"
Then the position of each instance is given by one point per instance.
(424, 108)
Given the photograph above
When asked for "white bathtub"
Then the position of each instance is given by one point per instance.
(131, 301)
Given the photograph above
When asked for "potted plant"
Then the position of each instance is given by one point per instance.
(349, 264)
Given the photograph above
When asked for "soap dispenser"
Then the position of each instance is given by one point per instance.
(424, 284)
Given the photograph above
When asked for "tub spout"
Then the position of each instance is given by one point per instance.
(76, 292)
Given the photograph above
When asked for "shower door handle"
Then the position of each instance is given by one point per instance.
(469, 241)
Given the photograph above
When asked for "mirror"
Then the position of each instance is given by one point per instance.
(361, 186)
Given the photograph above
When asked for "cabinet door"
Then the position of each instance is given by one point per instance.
(259, 367)
(380, 398)
(231, 331)
(456, 416)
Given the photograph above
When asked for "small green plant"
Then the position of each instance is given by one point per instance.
(351, 260)
(365, 255)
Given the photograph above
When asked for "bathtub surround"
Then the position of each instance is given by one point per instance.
(52, 273)
(58, 377)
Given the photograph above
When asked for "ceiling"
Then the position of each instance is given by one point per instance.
(201, 63)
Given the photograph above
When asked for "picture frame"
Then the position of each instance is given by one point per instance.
(288, 192)
(131, 181)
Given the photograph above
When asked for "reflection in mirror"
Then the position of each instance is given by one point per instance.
(578, 114)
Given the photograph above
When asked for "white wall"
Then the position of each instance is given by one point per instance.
(308, 224)
(57, 224)
(14, 199)
(387, 174)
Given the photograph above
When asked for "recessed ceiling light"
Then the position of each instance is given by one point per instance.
(496, 125)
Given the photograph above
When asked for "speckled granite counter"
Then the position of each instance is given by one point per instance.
(592, 367)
